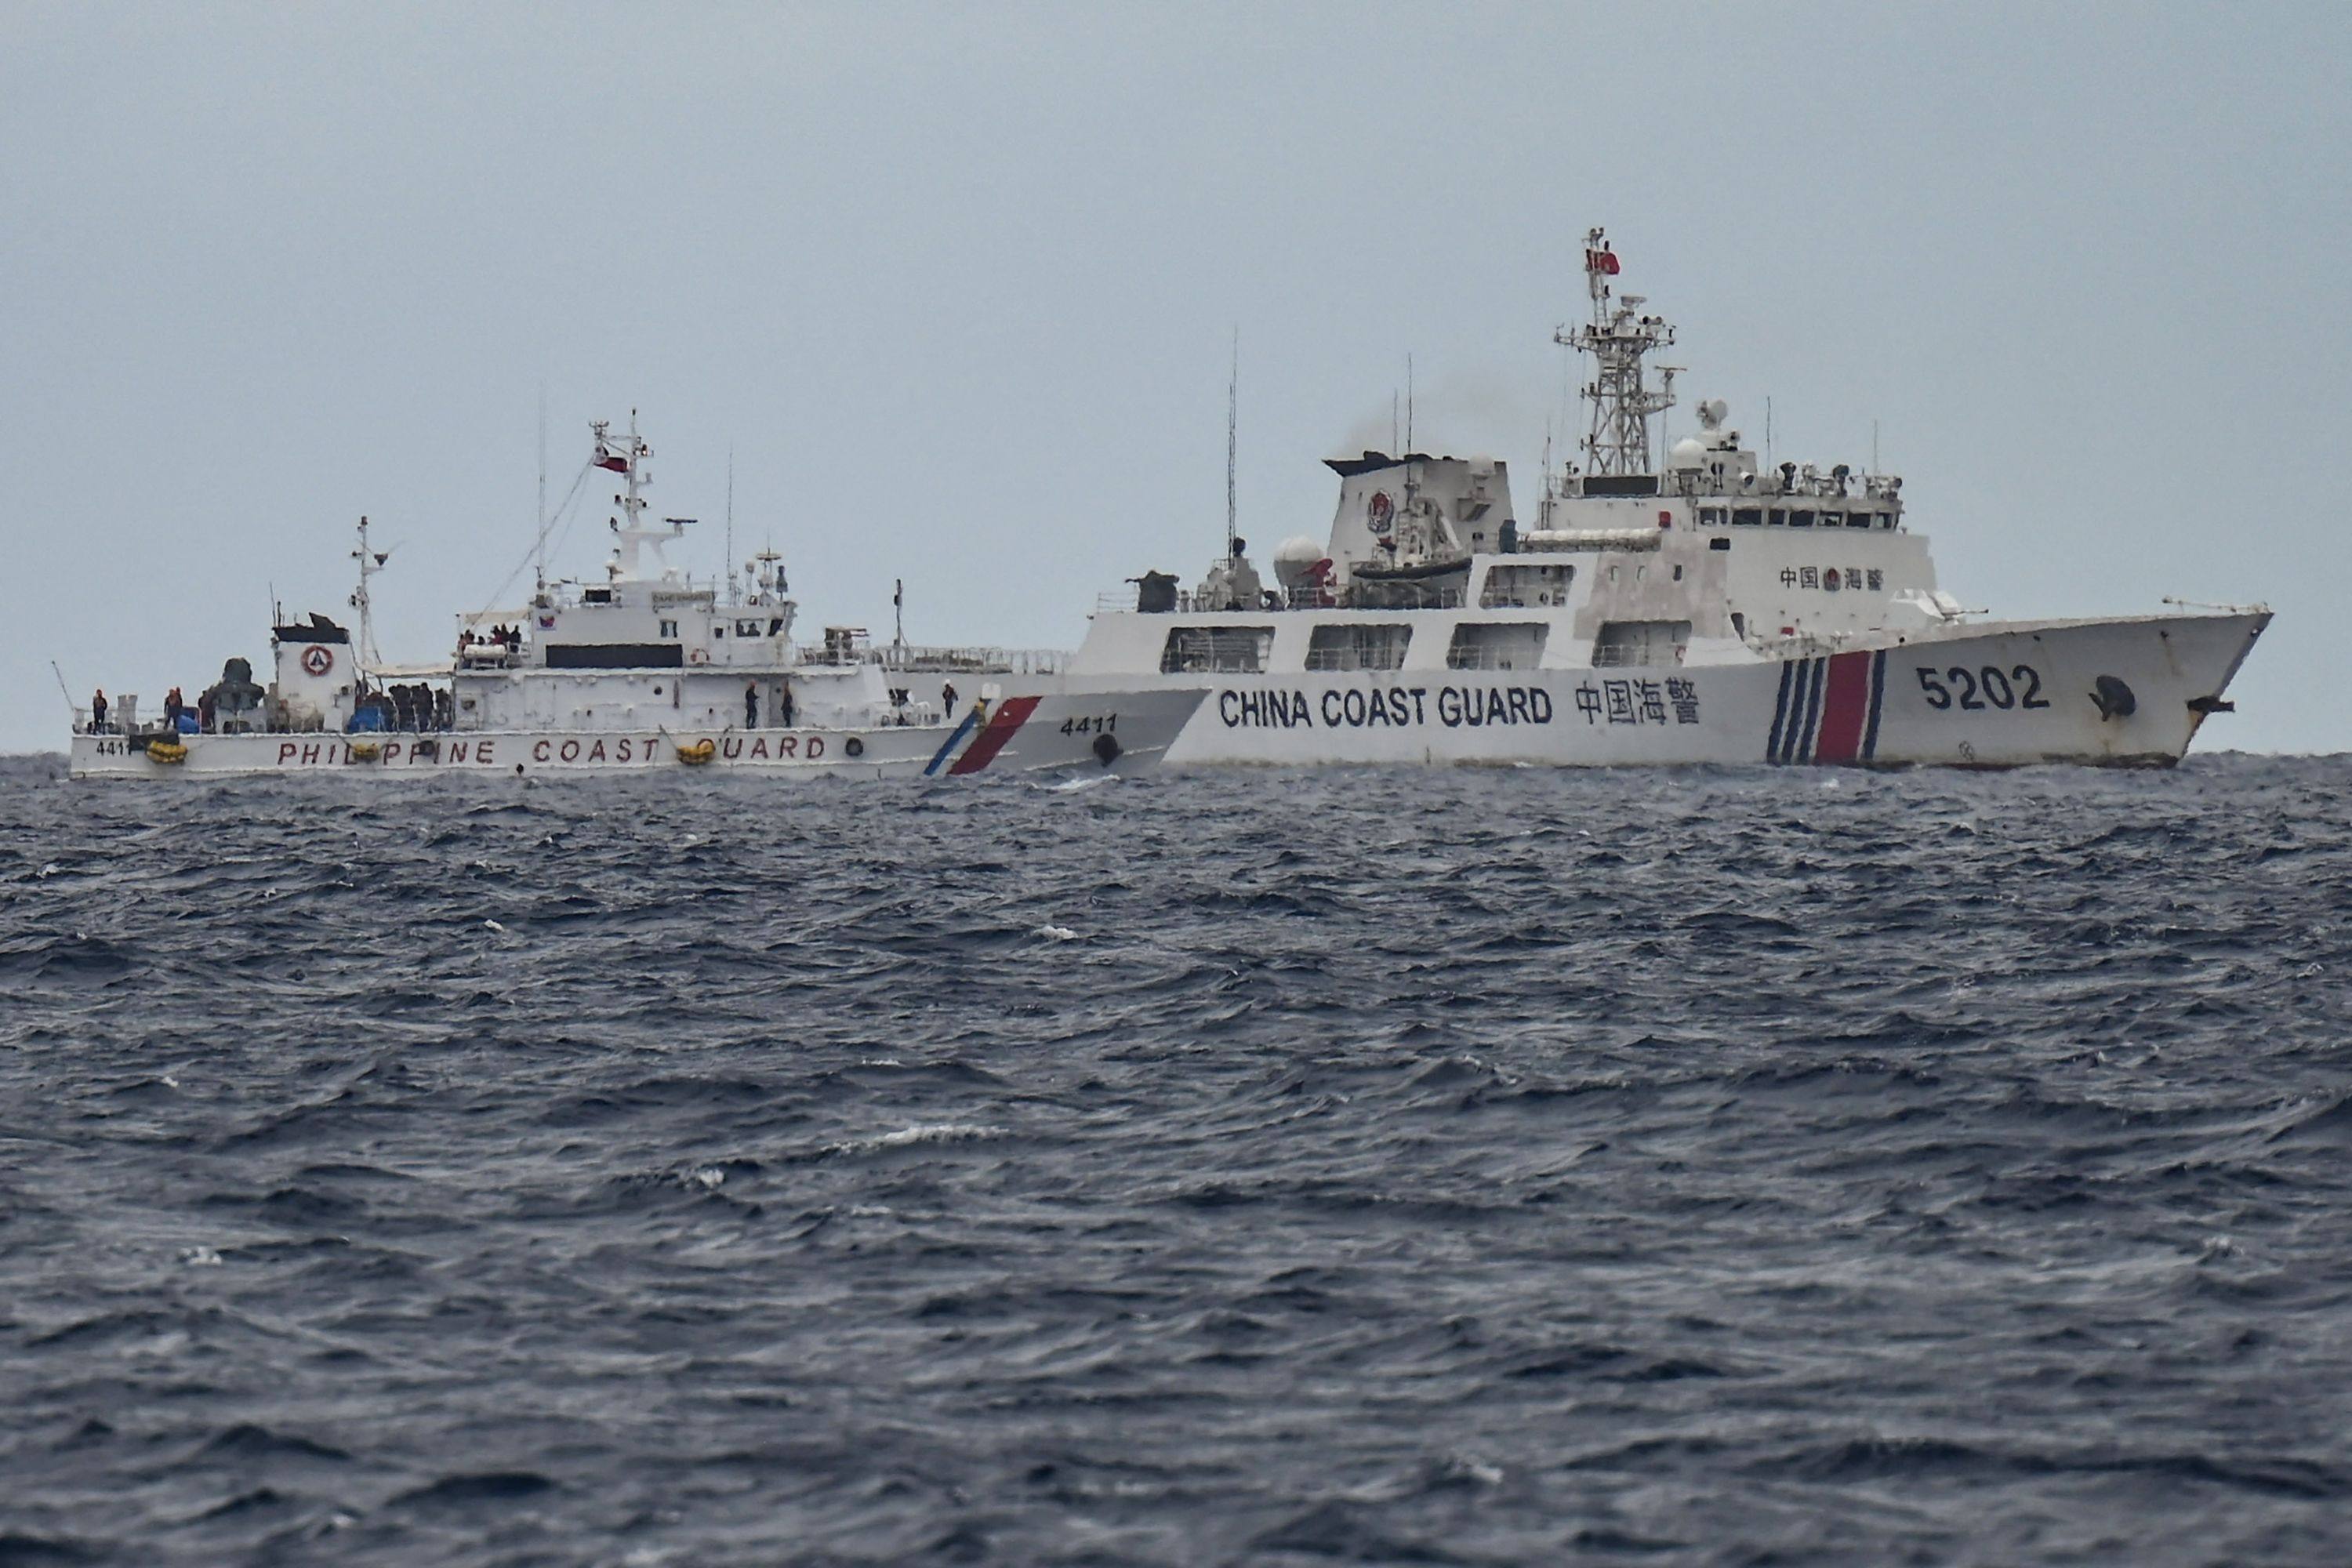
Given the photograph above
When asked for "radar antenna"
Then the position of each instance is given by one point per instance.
(1619, 338)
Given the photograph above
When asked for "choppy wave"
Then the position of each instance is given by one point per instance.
(1699, 1167)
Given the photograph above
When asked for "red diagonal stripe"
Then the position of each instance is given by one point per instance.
(1844, 705)
(983, 752)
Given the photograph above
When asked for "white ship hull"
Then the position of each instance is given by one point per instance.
(1119, 731)
(1988, 695)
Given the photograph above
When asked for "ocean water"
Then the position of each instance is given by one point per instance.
(1711, 1167)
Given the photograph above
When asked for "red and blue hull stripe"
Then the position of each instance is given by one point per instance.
(1000, 727)
(1828, 709)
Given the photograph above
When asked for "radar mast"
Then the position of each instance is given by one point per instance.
(626, 456)
(1619, 338)
(371, 562)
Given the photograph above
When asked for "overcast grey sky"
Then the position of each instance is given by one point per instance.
(956, 284)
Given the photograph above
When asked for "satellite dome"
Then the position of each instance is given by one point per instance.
(1690, 452)
(1296, 560)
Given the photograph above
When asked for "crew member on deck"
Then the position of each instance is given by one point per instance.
(98, 711)
(751, 707)
(785, 706)
(947, 700)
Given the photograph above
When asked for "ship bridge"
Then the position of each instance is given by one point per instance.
(1708, 556)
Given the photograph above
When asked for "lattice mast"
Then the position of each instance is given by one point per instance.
(1620, 339)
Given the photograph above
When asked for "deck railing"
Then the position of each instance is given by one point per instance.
(1361, 596)
(912, 659)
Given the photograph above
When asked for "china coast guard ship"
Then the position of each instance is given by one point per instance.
(1705, 609)
(646, 669)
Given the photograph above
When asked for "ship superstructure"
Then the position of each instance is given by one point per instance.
(1693, 606)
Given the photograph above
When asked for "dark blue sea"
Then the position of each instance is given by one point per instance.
(1730, 1167)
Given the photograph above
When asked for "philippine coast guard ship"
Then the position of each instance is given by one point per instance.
(1704, 609)
(645, 669)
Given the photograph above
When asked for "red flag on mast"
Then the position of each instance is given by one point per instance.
(1600, 261)
(612, 460)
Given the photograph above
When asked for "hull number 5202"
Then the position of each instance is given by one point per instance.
(1978, 689)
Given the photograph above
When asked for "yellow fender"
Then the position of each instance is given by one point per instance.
(166, 751)
(365, 751)
(697, 753)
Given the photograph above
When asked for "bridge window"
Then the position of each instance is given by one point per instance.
(1802, 518)
(1886, 520)
(1231, 650)
(1640, 642)
(1361, 646)
(669, 629)
(1746, 516)
(1858, 520)
(1517, 587)
(1778, 517)
(1496, 645)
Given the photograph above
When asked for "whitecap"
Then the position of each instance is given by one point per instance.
(921, 1133)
